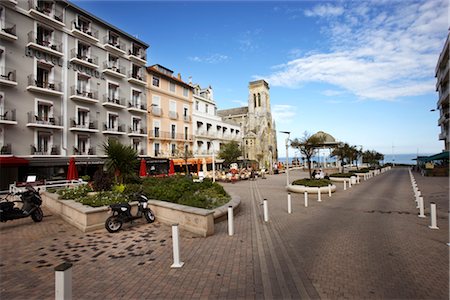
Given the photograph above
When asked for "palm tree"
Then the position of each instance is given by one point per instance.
(340, 151)
(308, 146)
(121, 161)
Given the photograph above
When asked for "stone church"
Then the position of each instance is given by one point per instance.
(260, 139)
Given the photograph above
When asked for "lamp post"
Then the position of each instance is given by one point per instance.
(287, 156)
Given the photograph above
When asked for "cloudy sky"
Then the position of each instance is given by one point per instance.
(362, 71)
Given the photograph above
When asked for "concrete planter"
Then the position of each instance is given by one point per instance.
(310, 190)
(342, 179)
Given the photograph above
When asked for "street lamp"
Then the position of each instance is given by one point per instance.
(287, 156)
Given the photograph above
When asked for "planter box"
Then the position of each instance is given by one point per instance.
(310, 190)
(196, 220)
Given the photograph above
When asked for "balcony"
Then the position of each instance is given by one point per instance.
(87, 151)
(113, 102)
(173, 115)
(10, 2)
(141, 132)
(166, 135)
(8, 77)
(50, 88)
(187, 118)
(136, 79)
(136, 107)
(47, 14)
(156, 111)
(76, 125)
(443, 98)
(8, 117)
(443, 136)
(87, 34)
(138, 57)
(90, 61)
(117, 130)
(6, 149)
(114, 46)
(51, 46)
(8, 31)
(443, 118)
(85, 95)
(45, 150)
(36, 121)
(113, 70)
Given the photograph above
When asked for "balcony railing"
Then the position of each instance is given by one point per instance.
(42, 150)
(52, 44)
(115, 44)
(92, 59)
(136, 76)
(166, 135)
(85, 93)
(6, 149)
(34, 118)
(141, 130)
(107, 65)
(89, 151)
(53, 85)
(8, 28)
(139, 53)
(137, 106)
(75, 123)
(50, 11)
(173, 115)
(156, 111)
(118, 128)
(9, 115)
(113, 100)
(89, 31)
(187, 118)
(8, 74)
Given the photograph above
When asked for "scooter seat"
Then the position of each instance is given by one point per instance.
(120, 205)
(6, 206)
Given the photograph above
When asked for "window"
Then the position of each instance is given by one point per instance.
(44, 36)
(135, 50)
(82, 84)
(113, 39)
(83, 117)
(113, 93)
(156, 149)
(173, 106)
(44, 112)
(155, 81)
(82, 144)
(137, 145)
(83, 25)
(156, 129)
(83, 51)
(173, 128)
(44, 140)
(113, 122)
(185, 92)
(44, 6)
(259, 99)
(136, 72)
(173, 149)
(136, 98)
(206, 108)
(136, 125)
(196, 105)
(113, 63)
(42, 77)
(186, 133)
(172, 87)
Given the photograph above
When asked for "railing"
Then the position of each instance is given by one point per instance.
(113, 67)
(89, 31)
(74, 123)
(137, 106)
(156, 111)
(140, 53)
(54, 85)
(119, 45)
(17, 187)
(87, 58)
(113, 100)
(135, 75)
(8, 74)
(86, 93)
(49, 43)
(141, 130)
(50, 11)
(46, 120)
(119, 128)
(9, 115)
(173, 115)
(89, 151)
(9, 28)
(169, 135)
(6, 149)
(53, 150)
(187, 118)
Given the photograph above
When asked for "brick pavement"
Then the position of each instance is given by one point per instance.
(366, 242)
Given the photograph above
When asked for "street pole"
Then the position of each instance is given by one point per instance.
(287, 156)
(214, 166)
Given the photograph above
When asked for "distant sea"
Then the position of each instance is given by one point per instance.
(388, 158)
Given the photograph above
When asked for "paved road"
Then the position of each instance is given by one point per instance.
(366, 242)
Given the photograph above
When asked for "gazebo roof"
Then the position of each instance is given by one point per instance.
(329, 140)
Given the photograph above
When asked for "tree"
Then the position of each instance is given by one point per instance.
(308, 145)
(340, 151)
(372, 157)
(230, 152)
(121, 160)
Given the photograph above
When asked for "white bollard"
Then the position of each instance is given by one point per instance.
(306, 199)
(350, 182)
(63, 281)
(357, 179)
(319, 195)
(176, 247)
(266, 211)
(230, 221)
(345, 185)
(433, 216)
(421, 210)
(329, 190)
(289, 204)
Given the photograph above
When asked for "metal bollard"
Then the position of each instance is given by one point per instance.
(319, 195)
(306, 199)
(63, 281)
(289, 203)
(230, 221)
(176, 247)
(345, 185)
(433, 216)
(266, 211)
(329, 190)
(421, 210)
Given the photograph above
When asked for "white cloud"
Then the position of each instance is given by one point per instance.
(332, 93)
(324, 10)
(210, 59)
(283, 113)
(390, 53)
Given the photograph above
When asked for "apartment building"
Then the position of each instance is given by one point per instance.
(170, 114)
(210, 131)
(442, 87)
(69, 81)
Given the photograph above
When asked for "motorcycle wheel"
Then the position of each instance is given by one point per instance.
(37, 215)
(149, 216)
(113, 224)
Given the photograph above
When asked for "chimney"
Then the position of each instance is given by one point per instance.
(179, 76)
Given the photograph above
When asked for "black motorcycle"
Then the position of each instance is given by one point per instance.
(121, 213)
(31, 206)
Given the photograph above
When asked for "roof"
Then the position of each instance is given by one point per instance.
(328, 138)
(444, 155)
(233, 111)
(153, 69)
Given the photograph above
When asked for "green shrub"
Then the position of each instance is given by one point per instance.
(363, 170)
(103, 198)
(75, 192)
(85, 177)
(342, 175)
(118, 188)
(312, 182)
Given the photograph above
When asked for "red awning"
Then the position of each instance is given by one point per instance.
(12, 161)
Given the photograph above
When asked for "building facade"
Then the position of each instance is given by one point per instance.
(442, 87)
(68, 83)
(210, 131)
(169, 99)
(259, 141)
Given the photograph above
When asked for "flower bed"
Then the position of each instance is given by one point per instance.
(311, 186)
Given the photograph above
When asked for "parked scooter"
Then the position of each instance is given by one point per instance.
(31, 206)
(121, 213)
